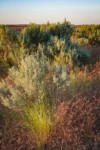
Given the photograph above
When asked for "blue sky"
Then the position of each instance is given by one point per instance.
(41, 11)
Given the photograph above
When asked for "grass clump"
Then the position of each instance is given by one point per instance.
(39, 120)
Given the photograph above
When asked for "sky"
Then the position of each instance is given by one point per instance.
(41, 11)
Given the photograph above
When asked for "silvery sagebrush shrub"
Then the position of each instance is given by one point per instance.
(32, 88)
(68, 53)
(28, 82)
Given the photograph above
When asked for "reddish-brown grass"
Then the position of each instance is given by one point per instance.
(78, 125)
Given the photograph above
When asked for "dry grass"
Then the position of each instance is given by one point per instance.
(78, 124)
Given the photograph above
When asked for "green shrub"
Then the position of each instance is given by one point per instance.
(87, 33)
(4, 67)
(80, 56)
(4, 42)
(9, 46)
(62, 30)
(54, 47)
(68, 53)
(34, 34)
(82, 41)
